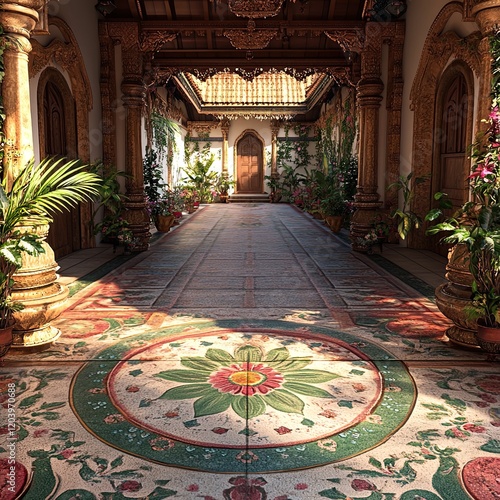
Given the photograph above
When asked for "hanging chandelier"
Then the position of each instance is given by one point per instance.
(250, 38)
(255, 8)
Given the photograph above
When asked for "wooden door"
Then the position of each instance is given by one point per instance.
(64, 234)
(249, 165)
(453, 164)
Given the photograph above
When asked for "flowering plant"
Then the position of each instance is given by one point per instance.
(477, 223)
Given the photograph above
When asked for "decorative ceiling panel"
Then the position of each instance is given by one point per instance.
(211, 38)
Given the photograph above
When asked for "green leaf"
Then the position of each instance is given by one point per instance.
(219, 356)
(240, 406)
(292, 364)
(310, 376)
(199, 363)
(185, 376)
(187, 391)
(307, 390)
(29, 401)
(248, 353)
(256, 406)
(285, 401)
(212, 403)
(277, 354)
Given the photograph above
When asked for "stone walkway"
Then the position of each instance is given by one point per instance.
(250, 354)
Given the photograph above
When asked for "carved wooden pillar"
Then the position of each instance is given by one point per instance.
(18, 19)
(224, 126)
(369, 91)
(395, 39)
(133, 95)
(487, 16)
(275, 127)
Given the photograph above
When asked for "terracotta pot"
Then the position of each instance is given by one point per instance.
(488, 338)
(163, 223)
(6, 339)
(334, 222)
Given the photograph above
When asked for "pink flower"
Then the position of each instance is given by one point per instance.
(283, 430)
(246, 379)
(301, 486)
(474, 428)
(193, 487)
(488, 397)
(482, 171)
(362, 485)
(40, 432)
(129, 486)
(67, 453)
(458, 433)
(489, 384)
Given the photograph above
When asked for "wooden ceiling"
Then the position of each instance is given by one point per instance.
(199, 36)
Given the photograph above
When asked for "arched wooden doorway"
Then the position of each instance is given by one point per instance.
(452, 137)
(249, 163)
(58, 138)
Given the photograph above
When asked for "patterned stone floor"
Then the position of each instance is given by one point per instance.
(249, 354)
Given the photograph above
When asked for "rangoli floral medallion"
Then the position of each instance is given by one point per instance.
(192, 397)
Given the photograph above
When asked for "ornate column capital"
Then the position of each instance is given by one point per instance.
(486, 13)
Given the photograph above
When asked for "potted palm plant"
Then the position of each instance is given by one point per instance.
(476, 226)
(26, 207)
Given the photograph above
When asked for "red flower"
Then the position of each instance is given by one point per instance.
(245, 489)
(132, 388)
(67, 453)
(301, 486)
(129, 486)
(362, 485)
(246, 379)
(474, 428)
(283, 430)
(193, 487)
(489, 384)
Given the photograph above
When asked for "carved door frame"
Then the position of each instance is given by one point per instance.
(262, 159)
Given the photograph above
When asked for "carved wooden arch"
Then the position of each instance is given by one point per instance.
(54, 76)
(235, 151)
(441, 50)
(68, 56)
(451, 72)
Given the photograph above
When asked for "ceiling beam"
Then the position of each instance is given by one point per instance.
(199, 25)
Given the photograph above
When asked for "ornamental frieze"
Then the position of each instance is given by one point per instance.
(152, 41)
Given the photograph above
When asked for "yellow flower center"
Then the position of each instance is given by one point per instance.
(247, 378)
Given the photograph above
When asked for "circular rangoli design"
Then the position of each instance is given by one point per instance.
(228, 398)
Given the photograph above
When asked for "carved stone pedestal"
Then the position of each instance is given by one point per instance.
(43, 299)
(454, 297)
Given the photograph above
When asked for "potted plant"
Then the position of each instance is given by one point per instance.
(275, 184)
(476, 225)
(333, 208)
(26, 206)
(222, 185)
(404, 217)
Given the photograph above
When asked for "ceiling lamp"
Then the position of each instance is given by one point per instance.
(250, 38)
(105, 7)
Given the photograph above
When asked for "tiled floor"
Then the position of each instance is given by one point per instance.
(425, 265)
(251, 355)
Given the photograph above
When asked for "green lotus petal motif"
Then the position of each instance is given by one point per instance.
(249, 381)
(219, 356)
(212, 403)
(284, 401)
(187, 391)
(248, 354)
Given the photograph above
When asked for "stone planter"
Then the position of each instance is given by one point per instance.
(453, 297)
